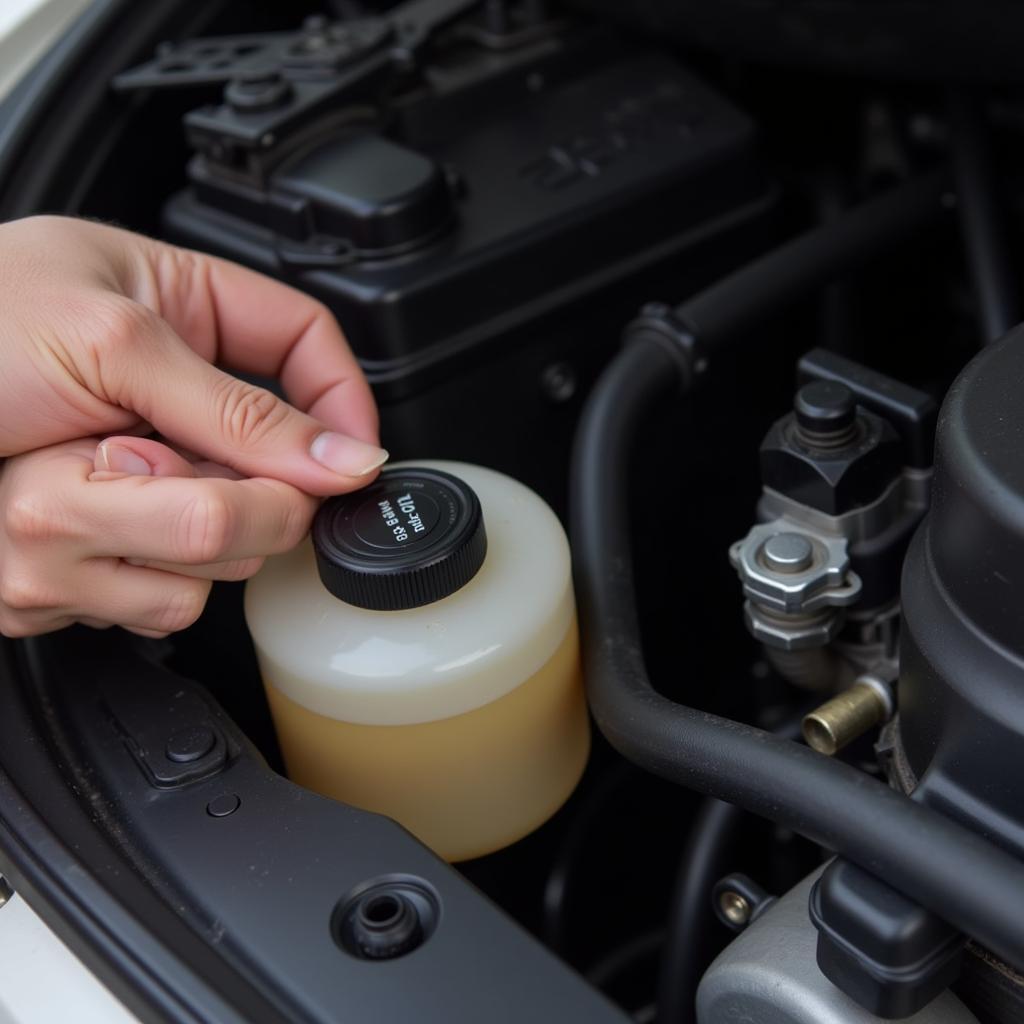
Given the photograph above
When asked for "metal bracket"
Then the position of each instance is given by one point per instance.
(275, 82)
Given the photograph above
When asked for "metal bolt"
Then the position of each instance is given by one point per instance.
(787, 552)
(826, 415)
(558, 382)
(735, 907)
(6, 892)
(839, 721)
(256, 89)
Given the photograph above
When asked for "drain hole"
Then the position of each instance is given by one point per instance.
(380, 912)
(386, 918)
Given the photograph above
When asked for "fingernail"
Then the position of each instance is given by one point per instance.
(346, 455)
(115, 459)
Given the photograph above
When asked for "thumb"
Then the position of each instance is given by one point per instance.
(235, 423)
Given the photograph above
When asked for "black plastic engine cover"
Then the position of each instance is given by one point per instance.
(550, 189)
(961, 689)
(579, 187)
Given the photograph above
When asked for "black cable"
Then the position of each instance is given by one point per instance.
(960, 876)
(715, 830)
(691, 919)
(620, 959)
(977, 192)
(558, 886)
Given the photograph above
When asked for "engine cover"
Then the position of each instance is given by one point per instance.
(960, 743)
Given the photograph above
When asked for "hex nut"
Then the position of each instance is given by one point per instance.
(825, 582)
(793, 633)
(832, 480)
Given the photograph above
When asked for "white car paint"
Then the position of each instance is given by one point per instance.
(41, 980)
(27, 29)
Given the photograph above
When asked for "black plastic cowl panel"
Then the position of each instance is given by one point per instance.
(251, 896)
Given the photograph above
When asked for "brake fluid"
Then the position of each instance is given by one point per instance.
(420, 656)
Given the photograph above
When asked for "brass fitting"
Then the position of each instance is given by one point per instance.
(846, 716)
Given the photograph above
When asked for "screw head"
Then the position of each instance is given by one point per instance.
(735, 907)
(6, 892)
(558, 382)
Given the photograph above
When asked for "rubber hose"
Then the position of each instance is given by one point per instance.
(812, 260)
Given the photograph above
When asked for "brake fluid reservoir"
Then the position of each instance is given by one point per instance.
(420, 656)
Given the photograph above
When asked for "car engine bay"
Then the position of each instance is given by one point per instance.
(733, 288)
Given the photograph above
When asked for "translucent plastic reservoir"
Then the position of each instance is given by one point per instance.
(463, 719)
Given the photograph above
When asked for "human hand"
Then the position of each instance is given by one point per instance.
(129, 533)
(103, 331)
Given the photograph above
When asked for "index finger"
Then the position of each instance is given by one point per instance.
(249, 322)
(193, 521)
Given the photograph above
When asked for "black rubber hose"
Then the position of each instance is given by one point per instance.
(619, 960)
(715, 831)
(812, 260)
(964, 879)
(977, 192)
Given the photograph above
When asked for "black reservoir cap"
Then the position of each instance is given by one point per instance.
(412, 537)
(379, 196)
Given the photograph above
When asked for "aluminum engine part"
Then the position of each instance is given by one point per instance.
(769, 975)
(796, 581)
(810, 613)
